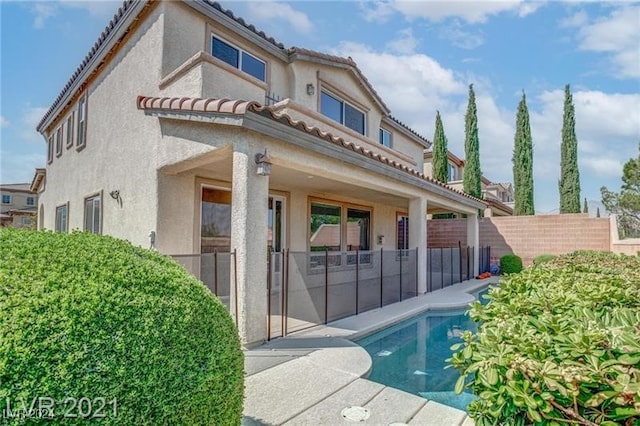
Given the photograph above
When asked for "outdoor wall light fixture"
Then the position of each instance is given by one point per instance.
(115, 194)
(310, 89)
(264, 164)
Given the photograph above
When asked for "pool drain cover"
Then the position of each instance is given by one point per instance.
(356, 414)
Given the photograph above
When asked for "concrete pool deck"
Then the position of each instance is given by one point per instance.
(309, 377)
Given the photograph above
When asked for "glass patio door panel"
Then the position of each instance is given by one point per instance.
(215, 231)
(276, 244)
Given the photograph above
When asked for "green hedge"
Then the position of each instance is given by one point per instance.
(543, 258)
(510, 264)
(86, 316)
(557, 344)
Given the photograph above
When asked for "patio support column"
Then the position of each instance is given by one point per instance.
(249, 206)
(473, 240)
(418, 238)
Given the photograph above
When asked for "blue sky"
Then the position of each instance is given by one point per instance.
(419, 55)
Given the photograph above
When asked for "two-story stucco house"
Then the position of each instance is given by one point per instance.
(188, 130)
(18, 207)
(497, 196)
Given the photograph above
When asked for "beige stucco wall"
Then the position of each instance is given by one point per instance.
(119, 144)
(18, 200)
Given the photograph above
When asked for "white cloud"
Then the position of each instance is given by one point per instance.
(98, 8)
(469, 11)
(4, 122)
(19, 167)
(30, 119)
(42, 12)
(607, 130)
(268, 11)
(616, 35)
(376, 11)
(459, 37)
(576, 20)
(404, 43)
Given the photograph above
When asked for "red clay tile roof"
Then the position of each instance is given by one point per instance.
(229, 106)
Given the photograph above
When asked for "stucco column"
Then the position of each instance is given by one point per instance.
(473, 240)
(418, 238)
(249, 205)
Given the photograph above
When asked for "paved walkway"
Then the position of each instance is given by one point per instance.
(309, 377)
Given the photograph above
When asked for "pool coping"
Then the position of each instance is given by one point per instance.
(326, 357)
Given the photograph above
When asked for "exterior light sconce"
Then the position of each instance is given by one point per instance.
(311, 90)
(115, 194)
(264, 164)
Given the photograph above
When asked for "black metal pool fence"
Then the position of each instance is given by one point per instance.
(310, 288)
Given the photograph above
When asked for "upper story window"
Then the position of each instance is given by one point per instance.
(82, 122)
(452, 172)
(59, 141)
(50, 150)
(238, 58)
(6, 199)
(31, 201)
(69, 130)
(342, 112)
(385, 138)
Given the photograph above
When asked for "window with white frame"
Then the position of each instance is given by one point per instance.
(92, 214)
(385, 137)
(82, 122)
(238, 58)
(69, 130)
(59, 141)
(31, 201)
(341, 111)
(62, 218)
(452, 172)
(6, 199)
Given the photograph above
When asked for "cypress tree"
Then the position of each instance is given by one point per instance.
(523, 162)
(440, 163)
(472, 175)
(598, 212)
(569, 184)
(585, 207)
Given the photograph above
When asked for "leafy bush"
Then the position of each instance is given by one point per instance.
(510, 264)
(557, 344)
(543, 258)
(86, 316)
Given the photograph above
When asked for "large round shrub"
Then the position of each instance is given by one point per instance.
(510, 264)
(543, 258)
(87, 316)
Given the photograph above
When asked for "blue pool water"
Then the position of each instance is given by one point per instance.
(411, 355)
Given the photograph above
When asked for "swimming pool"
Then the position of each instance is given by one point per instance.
(411, 355)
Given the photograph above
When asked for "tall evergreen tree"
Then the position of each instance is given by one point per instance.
(569, 184)
(472, 175)
(440, 163)
(523, 162)
(585, 207)
(598, 212)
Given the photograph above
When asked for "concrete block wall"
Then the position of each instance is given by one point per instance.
(528, 236)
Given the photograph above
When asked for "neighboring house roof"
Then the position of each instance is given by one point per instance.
(240, 107)
(495, 204)
(428, 155)
(15, 187)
